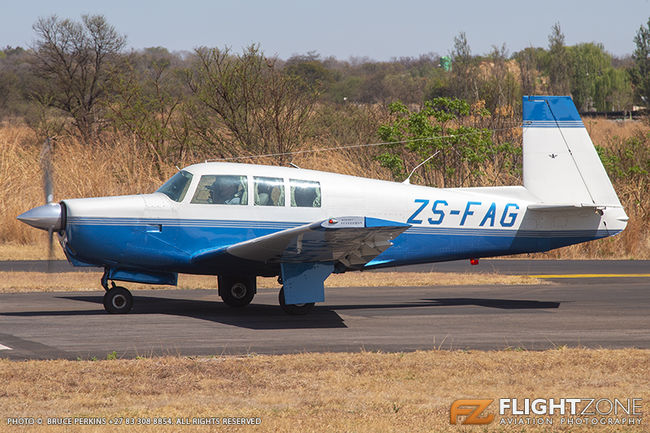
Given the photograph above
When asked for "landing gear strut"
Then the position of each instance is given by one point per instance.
(117, 300)
(237, 291)
(294, 309)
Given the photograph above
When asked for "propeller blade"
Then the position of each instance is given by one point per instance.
(46, 163)
(50, 250)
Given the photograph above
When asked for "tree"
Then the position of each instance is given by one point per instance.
(619, 95)
(76, 62)
(589, 80)
(439, 128)
(464, 83)
(149, 104)
(640, 72)
(498, 87)
(595, 83)
(311, 70)
(559, 72)
(529, 60)
(244, 104)
(15, 79)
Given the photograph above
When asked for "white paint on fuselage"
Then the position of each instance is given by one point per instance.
(343, 195)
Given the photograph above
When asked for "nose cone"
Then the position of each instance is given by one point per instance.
(46, 217)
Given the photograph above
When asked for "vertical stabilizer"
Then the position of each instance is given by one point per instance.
(560, 162)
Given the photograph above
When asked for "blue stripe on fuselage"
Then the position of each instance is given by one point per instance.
(129, 241)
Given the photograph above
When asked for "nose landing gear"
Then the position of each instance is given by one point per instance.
(117, 300)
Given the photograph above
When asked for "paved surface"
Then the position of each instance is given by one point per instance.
(535, 267)
(503, 266)
(590, 312)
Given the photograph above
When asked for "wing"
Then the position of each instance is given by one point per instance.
(352, 241)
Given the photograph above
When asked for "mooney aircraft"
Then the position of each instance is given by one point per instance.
(240, 221)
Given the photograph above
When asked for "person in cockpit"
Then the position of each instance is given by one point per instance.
(225, 191)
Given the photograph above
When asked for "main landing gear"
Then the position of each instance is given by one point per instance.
(294, 309)
(237, 291)
(117, 299)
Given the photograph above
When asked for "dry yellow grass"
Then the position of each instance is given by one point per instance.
(38, 250)
(20, 282)
(329, 392)
(602, 131)
(117, 168)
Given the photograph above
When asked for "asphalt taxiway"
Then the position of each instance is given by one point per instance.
(502, 266)
(599, 308)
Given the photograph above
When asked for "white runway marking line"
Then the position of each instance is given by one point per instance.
(3, 347)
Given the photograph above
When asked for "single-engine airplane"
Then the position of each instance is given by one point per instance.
(240, 221)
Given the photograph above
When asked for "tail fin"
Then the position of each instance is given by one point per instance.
(561, 165)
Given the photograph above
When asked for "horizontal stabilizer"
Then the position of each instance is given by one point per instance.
(550, 207)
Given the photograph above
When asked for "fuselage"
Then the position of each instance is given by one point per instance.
(156, 232)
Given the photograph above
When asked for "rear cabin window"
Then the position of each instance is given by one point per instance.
(269, 191)
(176, 187)
(304, 193)
(222, 189)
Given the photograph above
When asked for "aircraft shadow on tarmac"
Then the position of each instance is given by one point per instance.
(254, 316)
(258, 316)
(505, 304)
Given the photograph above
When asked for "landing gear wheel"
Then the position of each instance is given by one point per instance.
(294, 309)
(118, 300)
(237, 292)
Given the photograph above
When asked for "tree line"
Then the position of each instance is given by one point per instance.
(79, 79)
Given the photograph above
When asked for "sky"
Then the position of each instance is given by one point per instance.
(379, 29)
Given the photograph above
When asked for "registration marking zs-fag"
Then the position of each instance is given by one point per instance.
(473, 209)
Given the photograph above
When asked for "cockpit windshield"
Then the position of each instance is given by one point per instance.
(176, 187)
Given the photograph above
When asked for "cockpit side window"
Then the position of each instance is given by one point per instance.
(269, 191)
(305, 193)
(222, 189)
(176, 187)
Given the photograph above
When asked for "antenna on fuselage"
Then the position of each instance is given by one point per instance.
(407, 181)
(293, 165)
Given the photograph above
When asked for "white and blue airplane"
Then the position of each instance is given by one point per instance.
(240, 221)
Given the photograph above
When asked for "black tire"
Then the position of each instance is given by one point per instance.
(237, 291)
(118, 300)
(294, 309)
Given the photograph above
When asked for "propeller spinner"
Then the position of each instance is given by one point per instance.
(46, 217)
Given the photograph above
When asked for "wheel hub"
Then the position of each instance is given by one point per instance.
(119, 301)
(238, 291)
